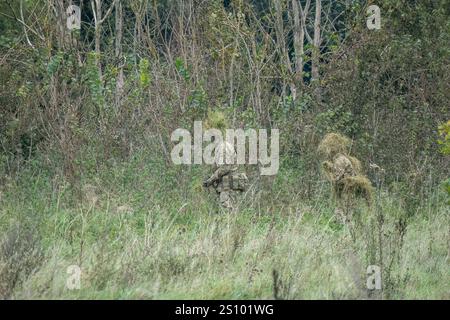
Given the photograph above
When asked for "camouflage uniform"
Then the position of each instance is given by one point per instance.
(337, 170)
(225, 179)
(341, 168)
(345, 174)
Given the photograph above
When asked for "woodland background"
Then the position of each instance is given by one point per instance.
(85, 171)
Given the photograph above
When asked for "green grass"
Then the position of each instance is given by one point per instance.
(153, 233)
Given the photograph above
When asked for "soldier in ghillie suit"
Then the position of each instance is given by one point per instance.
(344, 173)
(226, 180)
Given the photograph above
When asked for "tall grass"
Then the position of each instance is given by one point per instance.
(141, 230)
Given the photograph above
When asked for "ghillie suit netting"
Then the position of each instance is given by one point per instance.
(343, 170)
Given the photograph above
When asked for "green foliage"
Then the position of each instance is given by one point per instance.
(249, 117)
(444, 132)
(111, 239)
(216, 119)
(93, 79)
(144, 73)
(182, 69)
(335, 119)
(446, 185)
(198, 100)
(55, 63)
(376, 93)
(139, 237)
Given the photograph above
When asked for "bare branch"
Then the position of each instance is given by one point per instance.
(24, 24)
(24, 28)
(108, 12)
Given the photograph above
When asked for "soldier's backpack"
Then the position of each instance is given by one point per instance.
(239, 181)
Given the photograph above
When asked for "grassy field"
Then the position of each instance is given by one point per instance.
(138, 233)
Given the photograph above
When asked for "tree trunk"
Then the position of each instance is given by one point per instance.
(279, 29)
(119, 53)
(98, 17)
(299, 38)
(316, 42)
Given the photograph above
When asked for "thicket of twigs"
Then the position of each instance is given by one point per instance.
(85, 123)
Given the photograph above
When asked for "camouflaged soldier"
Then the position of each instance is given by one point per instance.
(337, 169)
(344, 173)
(226, 180)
